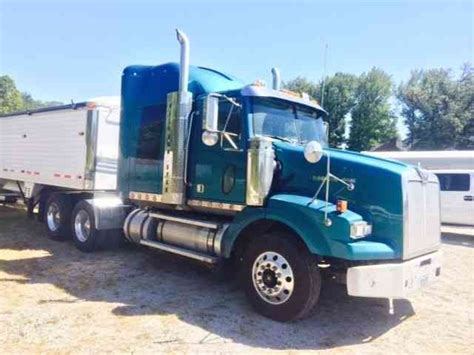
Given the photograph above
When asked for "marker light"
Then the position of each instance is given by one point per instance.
(259, 83)
(341, 206)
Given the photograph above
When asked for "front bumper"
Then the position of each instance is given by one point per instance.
(393, 280)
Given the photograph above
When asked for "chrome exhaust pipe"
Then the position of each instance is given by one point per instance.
(276, 78)
(179, 106)
(184, 61)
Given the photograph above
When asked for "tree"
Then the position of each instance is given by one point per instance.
(372, 120)
(10, 98)
(438, 109)
(339, 99)
(30, 104)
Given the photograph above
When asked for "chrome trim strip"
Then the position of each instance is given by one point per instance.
(216, 205)
(92, 126)
(144, 196)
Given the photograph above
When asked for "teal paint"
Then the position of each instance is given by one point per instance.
(308, 223)
(377, 196)
(144, 93)
(207, 165)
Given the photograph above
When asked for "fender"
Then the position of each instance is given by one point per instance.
(306, 221)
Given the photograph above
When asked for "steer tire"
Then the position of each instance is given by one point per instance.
(84, 233)
(57, 216)
(284, 264)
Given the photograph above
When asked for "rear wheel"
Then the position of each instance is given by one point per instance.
(57, 217)
(281, 278)
(86, 237)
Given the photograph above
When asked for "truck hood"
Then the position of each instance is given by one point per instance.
(377, 197)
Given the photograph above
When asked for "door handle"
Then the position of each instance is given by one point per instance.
(468, 198)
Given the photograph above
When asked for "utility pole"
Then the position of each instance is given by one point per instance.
(324, 73)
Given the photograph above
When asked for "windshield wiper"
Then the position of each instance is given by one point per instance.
(284, 139)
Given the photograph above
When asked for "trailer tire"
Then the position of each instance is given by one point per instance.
(84, 233)
(280, 277)
(58, 210)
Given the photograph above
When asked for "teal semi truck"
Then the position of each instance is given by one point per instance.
(231, 174)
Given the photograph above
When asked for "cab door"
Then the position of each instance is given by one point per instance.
(217, 173)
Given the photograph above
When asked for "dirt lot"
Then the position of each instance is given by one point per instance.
(54, 298)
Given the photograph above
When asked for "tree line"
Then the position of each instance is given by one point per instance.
(436, 106)
(13, 100)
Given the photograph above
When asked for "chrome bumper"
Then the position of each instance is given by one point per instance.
(393, 280)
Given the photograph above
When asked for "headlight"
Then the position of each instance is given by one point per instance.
(360, 230)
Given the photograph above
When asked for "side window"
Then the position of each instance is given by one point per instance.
(151, 132)
(230, 122)
(454, 182)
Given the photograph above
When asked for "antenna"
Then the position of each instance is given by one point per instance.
(324, 73)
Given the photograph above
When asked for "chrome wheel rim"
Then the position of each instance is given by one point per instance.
(82, 226)
(273, 278)
(53, 217)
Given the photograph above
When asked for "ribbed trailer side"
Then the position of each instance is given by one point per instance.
(72, 146)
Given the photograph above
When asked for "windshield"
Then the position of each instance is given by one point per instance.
(287, 121)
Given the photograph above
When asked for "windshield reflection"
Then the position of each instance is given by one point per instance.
(287, 121)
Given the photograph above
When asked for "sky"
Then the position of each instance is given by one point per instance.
(76, 50)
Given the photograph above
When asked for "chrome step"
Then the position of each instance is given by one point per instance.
(180, 251)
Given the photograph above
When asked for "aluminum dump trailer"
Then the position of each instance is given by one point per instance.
(68, 147)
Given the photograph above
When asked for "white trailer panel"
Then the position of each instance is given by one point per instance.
(72, 146)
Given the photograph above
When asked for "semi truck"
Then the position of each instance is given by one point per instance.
(241, 177)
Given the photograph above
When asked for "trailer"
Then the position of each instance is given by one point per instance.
(239, 177)
(64, 148)
(455, 171)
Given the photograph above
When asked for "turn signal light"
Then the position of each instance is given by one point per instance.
(341, 206)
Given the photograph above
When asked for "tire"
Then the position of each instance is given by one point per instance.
(58, 210)
(280, 277)
(87, 238)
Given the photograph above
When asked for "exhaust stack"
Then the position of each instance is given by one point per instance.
(184, 61)
(177, 112)
(276, 78)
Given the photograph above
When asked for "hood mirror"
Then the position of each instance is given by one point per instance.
(313, 152)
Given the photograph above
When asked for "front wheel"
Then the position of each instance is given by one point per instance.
(281, 278)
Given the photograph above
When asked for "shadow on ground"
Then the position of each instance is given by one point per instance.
(458, 239)
(152, 283)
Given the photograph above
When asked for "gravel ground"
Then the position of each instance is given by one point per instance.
(54, 298)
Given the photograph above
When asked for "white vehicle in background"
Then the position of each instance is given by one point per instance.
(455, 171)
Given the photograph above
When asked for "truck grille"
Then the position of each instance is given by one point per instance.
(421, 230)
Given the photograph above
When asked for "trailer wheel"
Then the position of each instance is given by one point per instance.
(58, 213)
(84, 233)
(281, 278)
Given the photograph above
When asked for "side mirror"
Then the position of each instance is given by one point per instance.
(313, 152)
(210, 135)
